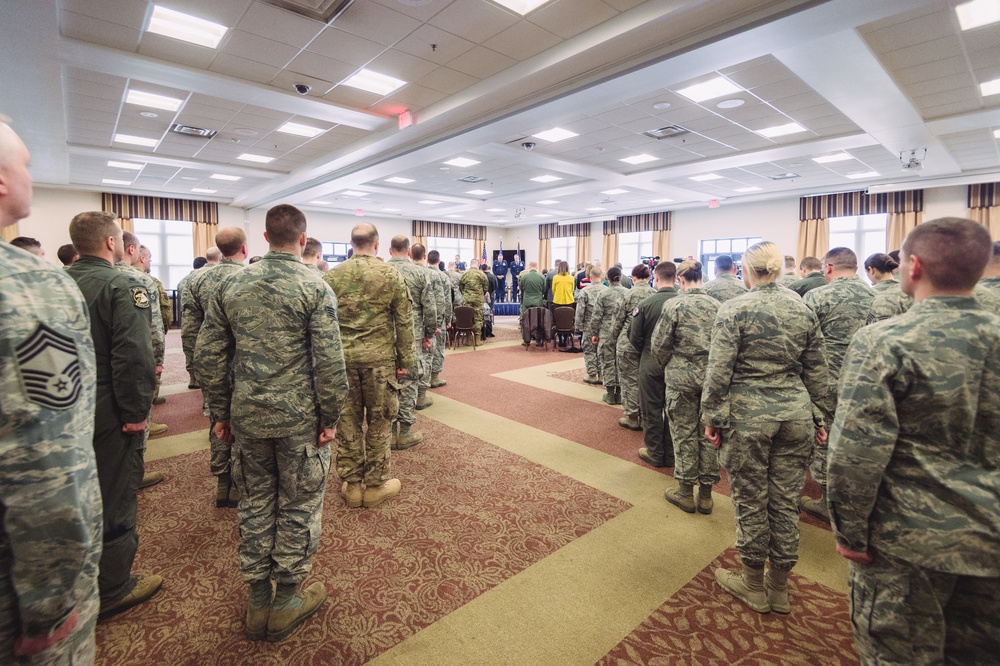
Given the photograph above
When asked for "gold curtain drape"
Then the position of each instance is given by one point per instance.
(477, 246)
(989, 218)
(582, 249)
(898, 225)
(814, 238)
(422, 240)
(126, 224)
(661, 244)
(544, 253)
(9, 232)
(203, 236)
(609, 251)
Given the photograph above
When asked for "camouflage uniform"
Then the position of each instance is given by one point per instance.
(165, 314)
(121, 327)
(201, 291)
(376, 325)
(913, 481)
(842, 307)
(475, 285)
(456, 277)
(787, 279)
(628, 356)
(444, 306)
(988, 295)
(424, 312)
(187, 342)
(275, 324)
(889, 301)
(680, 343)
(765, 388)
(584, 313)
(600, 324)
(652, 390)
(724, 287)
(51, 536)
(157, 331)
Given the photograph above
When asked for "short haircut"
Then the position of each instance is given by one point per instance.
(842, 258)
(199, 262)
(399, 244)
(433, 257)
(789, 261)
(483, 267)
(90, 230)
(883, 263)
(595, 272)
(255, 259)
(691, 271)
(144, 252)
(417, 252)
(284, 225)
(129, 239)
(996, 253)
(811, 264)
(67, 253)
(213, 254)
(666, 271)
(953, 250)
(640, 272)
(230, 240)
(312, 248)
(364, 235)
(723, 263)
(614, 274)
(27, 243)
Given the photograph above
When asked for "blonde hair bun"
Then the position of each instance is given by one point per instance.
(764, 258)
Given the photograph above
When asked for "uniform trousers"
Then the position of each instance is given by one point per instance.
(411, 386)
(590, 357)
(608, 362)
(372, 399)
(628, 378)
(696, 461)
(437, 353)
(652, 398)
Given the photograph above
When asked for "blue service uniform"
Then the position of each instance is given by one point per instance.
(500, 271)
(515, 267)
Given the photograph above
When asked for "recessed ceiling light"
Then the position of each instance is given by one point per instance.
(136, 140)
(112, 181)
(730, 103)
(400, 180)
(617, 190)
(132, 166)
(522, 7)
(373, 82)
(202, 190)
(462, 162)
(222, 176)
(185, 27)
(353, 193)
(788, 175)
(496, 210)
(479, 192)
(428, 202)
(705, 177)
(710, 89)
(595, 208)
(659, 106)
(546, 179)
(660, 200)
(826, 159)
(555, 134)
(990, 87)
(300, 130)
(996, 134)
(547, 202)
(543, 215)
(148, 114)
(639, 159)
(863, 174)
(250, 157)
(243, 131)
(321, 203)
(977, 13)
(781, 130)
(188, 178)
(454, 217)
(151, 100)
(391, 210)
(748, 189)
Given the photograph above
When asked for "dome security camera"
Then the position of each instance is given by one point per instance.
(528, 145)
(302, 88)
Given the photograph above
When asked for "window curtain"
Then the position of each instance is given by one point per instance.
(898, 225)
(984, 207)
(815, 213)
(422, 240)
(479, 246)
(609, 251)
(814, 238)
(546, 232)
(544, 253)
(9, 232)
(658, 223)
(126, 224)
(583, 250)
(204, 215)
(661, 245)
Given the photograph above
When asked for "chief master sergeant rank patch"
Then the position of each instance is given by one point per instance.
(50, 368)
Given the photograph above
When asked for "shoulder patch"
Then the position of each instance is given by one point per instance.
(635, 311)
(50, 368)
(140, 297)
(331, 311)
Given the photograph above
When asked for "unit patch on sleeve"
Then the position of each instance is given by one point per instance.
(49, 368)
(140, 297)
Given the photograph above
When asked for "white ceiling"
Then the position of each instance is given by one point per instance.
(867, 79)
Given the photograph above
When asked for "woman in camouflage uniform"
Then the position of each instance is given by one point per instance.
(889, 297)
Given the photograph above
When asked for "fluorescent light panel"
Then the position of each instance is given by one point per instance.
(865, 174)
(136, 140)
(996, 134)
(187, 28)
(400, 180)
(748, 189)
(300, 130)
(977, 13)
(132, 166)
(781, 130)
(454, 217)
(826, 159)
(353, 193)
(543, 215)
(710, 89)
(522, 7)
(639, 159)
(496, 210)
(546, 179)
(223, 176)
(202, 190)
(153, 101)
(595, 208)
(547, 202)
(373, 82)
(462, 162)
(250, 157)
(555, 134)
(321, 203)
(112, 181)
(705, 177)
(617, 190)
(660, 200)
(990, 87)
(428, 202)
(479, 192)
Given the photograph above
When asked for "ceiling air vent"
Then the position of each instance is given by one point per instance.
(785, 176)
(471, 179)
(668, 132)
(187, 130)
(326, 11)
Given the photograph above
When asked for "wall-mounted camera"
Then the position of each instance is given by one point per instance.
(302, 88)
(528, 145)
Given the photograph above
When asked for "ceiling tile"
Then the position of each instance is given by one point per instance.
(226, 13)
(172, 50)
(286, 80)
(931, 70)
(447, 80)
(417, 95)
(345, 47)
(422, 12)
(568, 18)
(320, 67)
(625, 114)
(919, 54)
(278, 24)
(352, 97)
(474, 20)
(376, 23)
(87, 29)
(434, 44)
(522, 40)
(906, 31)
(481, 62)
(241, 68)
(259, 49)
(402, 66)
(130, 13)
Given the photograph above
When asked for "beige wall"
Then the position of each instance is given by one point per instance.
(51, 211)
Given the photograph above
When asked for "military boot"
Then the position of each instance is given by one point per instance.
(776, 585)
(143, 589)
(291, 607)
(592, 379)
(609, 397)
(375, 495)
(436, 381)
(151, 479)
(159, 400)
(705, 501)
(477, 340)
(225, 484)
(630, 423)
(818, 507)
(646, 458)
(157, 429)
(618, 395)
(407, 437)
(352, 494)
(234, 497)
(258, 610)
(682, 497)
(423, 400)
(747, 586)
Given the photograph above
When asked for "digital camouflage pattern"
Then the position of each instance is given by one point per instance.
(626, 355)
(913, 448)
(445, 307)
(49, 492)
(987, 295)
(725, 287)
(423, 296)
(889, 301)
(165, 313)
(275, 324)
(600, 325)
(475, 285)
(187, 342)
(680, 342)
(585, 302)
(153, 296)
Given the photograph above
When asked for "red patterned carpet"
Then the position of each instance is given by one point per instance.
(471, 515)
(702, 624)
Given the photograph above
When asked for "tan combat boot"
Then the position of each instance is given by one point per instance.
(592, 379)
(352, 494)
(423, 400)
(705, 501)
(436, 381)
(145, 587)
(258, 610)
(817, 507)
(631, 424)
(375, 495)
(151, 479)
(610, 397)
(224, 485)
(776, 585)
(291, 607)
(407, 437)
(747, 586)
(157, 429)
(682, 497)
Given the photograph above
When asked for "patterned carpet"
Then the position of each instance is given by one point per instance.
(471, 515)
(702, 624)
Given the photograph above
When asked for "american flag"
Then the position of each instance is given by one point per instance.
(484, 252)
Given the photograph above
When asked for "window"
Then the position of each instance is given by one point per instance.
(449, 247)
(734, 247)
(865, 234)
(565, 249)
(633, 245)
(171, 247)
